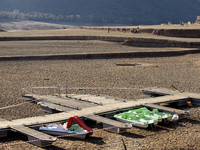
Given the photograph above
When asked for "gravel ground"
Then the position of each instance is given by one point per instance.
(181, 71)
(13, 48)
(85, 32)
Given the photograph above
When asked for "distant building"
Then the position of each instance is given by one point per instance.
(1, 28)
(198, 19)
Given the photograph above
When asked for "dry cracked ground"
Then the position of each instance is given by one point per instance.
(181, 71)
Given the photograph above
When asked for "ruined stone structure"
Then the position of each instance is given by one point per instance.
(198, 19)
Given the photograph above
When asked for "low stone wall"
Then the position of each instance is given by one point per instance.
(195, 33)
(130, 41)
(101, 55)
(182, 33)
(159, 43)
(103, 38)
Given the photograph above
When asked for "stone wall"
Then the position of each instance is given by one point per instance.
(130, 41)
(141, 42)
(193, 33)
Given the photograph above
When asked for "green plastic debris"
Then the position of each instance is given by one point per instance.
(142, 117)
(161, 115)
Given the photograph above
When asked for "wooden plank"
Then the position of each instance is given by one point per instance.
(62, 100)
(45, 139)
(86, 96)
(68, 101)
(95, 99)
(28, 131)
(107, 121)
(160, 91)
(37, 120)
(51, 107)
(85, 99)
(164, 91)
(98, 96)
(120, 127)
(91, 110)
(167, 109)
(194, 96)
(5, 125)
(2, 119)
(166, 99)
(103, 101)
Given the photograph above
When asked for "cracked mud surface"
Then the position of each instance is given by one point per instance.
(181, 71)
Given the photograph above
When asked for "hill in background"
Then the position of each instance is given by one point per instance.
(129, 12)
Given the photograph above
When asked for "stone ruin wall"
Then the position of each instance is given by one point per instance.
(198, 19)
